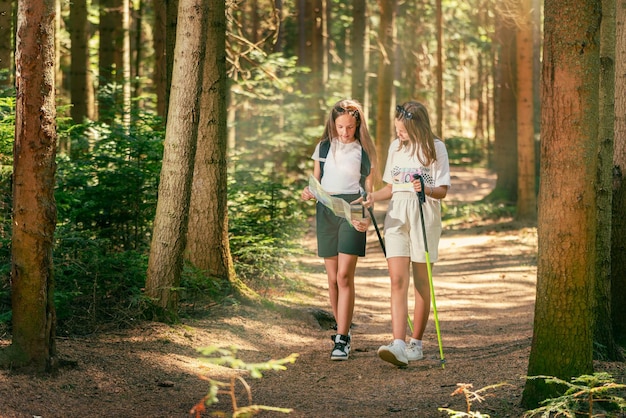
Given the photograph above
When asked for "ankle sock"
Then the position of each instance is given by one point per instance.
(399, 342)
(417, 342)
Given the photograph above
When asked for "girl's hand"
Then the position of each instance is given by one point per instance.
(368, 202)
(417, 185)
(306, 194)
(361, 225)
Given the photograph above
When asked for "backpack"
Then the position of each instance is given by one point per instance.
(366, 165)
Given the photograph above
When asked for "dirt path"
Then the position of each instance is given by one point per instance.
(485, 283)
(485, 286)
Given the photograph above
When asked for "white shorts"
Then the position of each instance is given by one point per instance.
(404, 236)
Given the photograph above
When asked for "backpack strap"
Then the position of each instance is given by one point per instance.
(366, 165)
(324, 148)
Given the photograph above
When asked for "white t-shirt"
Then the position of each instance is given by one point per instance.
(401, 166)
(342, 169)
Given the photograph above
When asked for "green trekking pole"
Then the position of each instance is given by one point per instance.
(422, 198)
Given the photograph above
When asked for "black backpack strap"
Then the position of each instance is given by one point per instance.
(324, 148)
(366, 165)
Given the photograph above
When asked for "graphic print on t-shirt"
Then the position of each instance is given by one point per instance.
(404, 176)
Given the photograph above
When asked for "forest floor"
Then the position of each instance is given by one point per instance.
(485, 292)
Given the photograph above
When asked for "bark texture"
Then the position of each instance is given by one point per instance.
(34, 209)
(567, 226)
(171, 219)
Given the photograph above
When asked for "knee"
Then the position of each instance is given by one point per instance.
(421, 285)
(345, 280)
(399, 283)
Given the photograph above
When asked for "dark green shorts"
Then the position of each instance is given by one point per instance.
(335, 234)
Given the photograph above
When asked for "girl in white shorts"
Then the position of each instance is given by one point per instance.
(415, 151)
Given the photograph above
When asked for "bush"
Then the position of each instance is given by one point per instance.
(464, 151)
(95, 286)
(266, 220)
(112, 189)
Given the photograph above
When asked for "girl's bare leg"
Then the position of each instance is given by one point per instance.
(422, 299)
(331, 271)
(346, 268)
(399, 275)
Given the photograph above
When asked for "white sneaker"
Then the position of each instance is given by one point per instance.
(414, 352)
(394, 354)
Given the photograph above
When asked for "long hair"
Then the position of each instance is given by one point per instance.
(362, 134)
(421, 137)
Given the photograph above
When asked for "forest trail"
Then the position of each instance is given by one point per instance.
(485, 290)
(484, 284)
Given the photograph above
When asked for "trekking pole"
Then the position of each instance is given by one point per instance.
(422, 198)
(380, 238)
(382, 243)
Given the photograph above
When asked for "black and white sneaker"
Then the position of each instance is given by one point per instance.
(341, 351)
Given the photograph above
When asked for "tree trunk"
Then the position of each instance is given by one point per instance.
(170, 43)
(34, 209)
(318, 51)
(567, 227)
(125, 60)
(359, 25)
(481, 127)
(311, 54)
(6, 46)
(505, 113)
(385, 91)
(170, 224)
(483, 117)
(603, 331)
(137, 58)
(160, 60)
(207, 237)
(618, 235)
(110, 21)
(80, 75)
(526, 194)
(279, 44)
(359, 43)
(440, 100)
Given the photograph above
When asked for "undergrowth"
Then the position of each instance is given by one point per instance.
(596, 395)
(228, 357)
(106, 200)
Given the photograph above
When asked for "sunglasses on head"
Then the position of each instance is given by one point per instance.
(353, 112)
(402, 113)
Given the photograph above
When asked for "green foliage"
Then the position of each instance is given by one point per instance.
(464, 151)
(105, 204)
(7, 130)
(271, 114)
(471, 396)
(106, 199)
(6, 158)
(227, 357)
(265, 219)
(95, 285)
(588, 395)
(112, 189)
(271, 159)
(476, 210)
(197, 290)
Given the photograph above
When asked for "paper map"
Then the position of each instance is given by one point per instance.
(337, 205)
